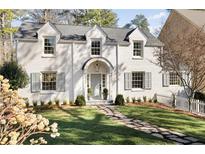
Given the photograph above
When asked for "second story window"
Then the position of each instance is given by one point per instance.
(95, 47)
(138, 48)
(49, 45)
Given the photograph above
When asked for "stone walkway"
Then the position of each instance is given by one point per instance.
(154, 130)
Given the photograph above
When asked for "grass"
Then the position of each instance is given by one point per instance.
(87, 126)
(174, 121)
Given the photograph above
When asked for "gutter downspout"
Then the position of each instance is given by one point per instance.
(72, 80)
(117, 69)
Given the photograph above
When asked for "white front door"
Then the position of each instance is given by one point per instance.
(96, 86)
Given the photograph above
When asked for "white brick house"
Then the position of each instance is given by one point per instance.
(63, 61)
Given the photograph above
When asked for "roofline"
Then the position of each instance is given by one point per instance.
(97, 26)
(171, 13)
(93, 25)
(52, 25)
(26, 39)
(184, 17)
(188, 20)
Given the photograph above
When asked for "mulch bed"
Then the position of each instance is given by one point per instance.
(163, 106)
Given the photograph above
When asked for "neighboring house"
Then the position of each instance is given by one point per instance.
(63, 61)
(182, 23)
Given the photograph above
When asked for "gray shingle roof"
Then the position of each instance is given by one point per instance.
(70, 32)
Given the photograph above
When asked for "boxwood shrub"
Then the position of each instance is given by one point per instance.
(80, 100)
(119, 100)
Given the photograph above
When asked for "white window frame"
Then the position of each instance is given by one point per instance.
(41, 80)
(49, 55)
(176, 78)
(93, 40)
(143, 81)
(142, 49)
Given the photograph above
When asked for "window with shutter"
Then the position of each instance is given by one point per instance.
(49, 81)
(137, 79)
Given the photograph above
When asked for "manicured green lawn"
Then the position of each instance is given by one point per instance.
(167, 119)
(88, 126)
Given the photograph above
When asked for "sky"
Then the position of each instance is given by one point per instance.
(156, 17)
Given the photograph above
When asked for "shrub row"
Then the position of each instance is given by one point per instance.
(119, 100)
(80, 101)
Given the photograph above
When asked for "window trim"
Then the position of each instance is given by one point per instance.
(143, 81)
(92, 40)
(41, 80)
(47, 55)
(142, 49)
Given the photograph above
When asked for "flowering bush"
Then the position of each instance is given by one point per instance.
(17, 123)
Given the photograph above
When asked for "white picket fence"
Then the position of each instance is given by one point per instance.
(181, 103)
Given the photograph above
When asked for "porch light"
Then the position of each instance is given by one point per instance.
(97, 67)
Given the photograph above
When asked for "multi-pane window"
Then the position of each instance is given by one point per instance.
(137, 79)
(49, 45)
(103, 80)
(95, 47)
(173, 79)
(48, 81)
(138, 48)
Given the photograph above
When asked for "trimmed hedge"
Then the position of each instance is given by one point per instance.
(119, 100)
(80, 100)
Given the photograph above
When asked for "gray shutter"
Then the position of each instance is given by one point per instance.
(128, 81)
(185, 77)
(148, 80)
(35, 82)
(165, 79)
(61, 82)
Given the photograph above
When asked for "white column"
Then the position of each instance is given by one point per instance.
(85, 85)
(110, 89)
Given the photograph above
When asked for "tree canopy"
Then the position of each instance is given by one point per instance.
(139, 21)
(102, 17)
(45, 15)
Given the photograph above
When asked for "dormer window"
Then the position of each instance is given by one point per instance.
(138, 49)
(49, 45)
(95, 47)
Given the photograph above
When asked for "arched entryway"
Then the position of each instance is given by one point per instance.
(97, 76)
